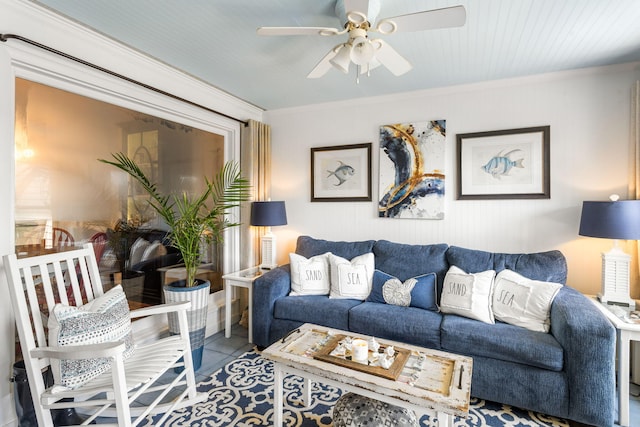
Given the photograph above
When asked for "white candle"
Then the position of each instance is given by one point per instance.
(360, 349)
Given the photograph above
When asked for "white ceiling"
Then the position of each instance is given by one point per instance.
(216, 41)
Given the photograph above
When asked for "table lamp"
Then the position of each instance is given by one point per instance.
(268, 214)
(613, 220)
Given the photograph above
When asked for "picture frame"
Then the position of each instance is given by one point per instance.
(341, 173)
(504, 164)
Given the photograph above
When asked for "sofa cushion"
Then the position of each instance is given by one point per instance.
(548, 266)
(405, 324)
(309, 247)
(310, 276)
(405, 261)
(351, 279)
(501, 341)
(468, 294)
(419, 292)
(318, 309)
(523, 302)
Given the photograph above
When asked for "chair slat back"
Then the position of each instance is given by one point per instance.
(37, 283)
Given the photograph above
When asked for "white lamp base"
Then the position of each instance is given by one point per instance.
(615, 278)
(268, 251)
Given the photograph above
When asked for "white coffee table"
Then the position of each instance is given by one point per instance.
(436, 391)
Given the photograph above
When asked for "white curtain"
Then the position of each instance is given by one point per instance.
(634, 176)
(634, 193)
(255, 162)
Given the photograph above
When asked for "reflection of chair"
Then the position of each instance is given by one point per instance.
(61, 237)
(99, 242)
(128, 377)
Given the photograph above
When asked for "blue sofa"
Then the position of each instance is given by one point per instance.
(568, 372)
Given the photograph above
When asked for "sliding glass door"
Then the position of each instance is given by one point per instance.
(65, 197)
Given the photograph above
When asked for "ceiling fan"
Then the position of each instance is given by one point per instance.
(364, 52)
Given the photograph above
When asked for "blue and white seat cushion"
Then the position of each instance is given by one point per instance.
(104, 319)
(420, 291)
(351, 279)
(309, 276)
(523, 302)
(468, 295)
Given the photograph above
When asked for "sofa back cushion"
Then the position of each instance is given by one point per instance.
(309, 247)
(548, 266)
(405, 261)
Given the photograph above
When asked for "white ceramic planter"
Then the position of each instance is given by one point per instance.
(197, 315)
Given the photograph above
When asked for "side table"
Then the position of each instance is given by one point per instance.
(239, 279)
(626, 332)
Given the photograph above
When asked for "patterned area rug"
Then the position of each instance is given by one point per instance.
(241, 394)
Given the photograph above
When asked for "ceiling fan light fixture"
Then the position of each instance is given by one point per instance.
(361, 52)
(342, 60)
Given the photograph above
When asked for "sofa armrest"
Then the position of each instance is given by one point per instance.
(588, 340)
(266, 290)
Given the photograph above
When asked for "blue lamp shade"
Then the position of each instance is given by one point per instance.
(611, 220)
(268, 214)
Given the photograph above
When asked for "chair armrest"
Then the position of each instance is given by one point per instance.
(267, 289)
(588, 340)
(87, 351)
(160, 309)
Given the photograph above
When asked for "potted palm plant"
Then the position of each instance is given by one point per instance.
(192, 221)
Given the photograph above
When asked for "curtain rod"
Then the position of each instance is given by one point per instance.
(6, 37)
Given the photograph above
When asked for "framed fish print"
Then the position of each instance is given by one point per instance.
(504, 164)
(341, 173)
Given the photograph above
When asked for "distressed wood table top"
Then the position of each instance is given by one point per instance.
(431, 380)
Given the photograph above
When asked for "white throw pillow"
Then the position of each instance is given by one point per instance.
(137, 251)
(104, 319)
(468, 295)
(351, 279)
(309, 276)
(154, 250)
(523, 302)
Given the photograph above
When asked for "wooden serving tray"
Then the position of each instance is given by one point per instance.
(401, 357)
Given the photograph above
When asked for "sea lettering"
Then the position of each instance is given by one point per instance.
(506, 297)
(353, 279)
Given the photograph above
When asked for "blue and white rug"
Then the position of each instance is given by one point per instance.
(241, 394)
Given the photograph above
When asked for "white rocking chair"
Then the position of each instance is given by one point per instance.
(76, 273)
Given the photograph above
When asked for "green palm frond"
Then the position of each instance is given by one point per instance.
(197, 219)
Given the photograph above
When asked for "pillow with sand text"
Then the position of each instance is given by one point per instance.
(351, 279)
(523, 302)
(309, 276)
(468, 295)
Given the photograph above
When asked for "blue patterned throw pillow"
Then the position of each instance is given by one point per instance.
(417, 291)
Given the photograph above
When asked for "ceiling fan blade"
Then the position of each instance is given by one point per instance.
(391, 59)
(297, 31)
(427, 20)
(323, 66)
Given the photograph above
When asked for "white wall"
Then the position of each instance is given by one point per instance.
(26, 19)
(589, 114)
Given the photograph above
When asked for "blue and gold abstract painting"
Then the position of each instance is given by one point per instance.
(412, 170)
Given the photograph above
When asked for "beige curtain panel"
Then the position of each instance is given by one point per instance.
(255, 161)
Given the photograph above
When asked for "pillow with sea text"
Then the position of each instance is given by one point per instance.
(468, 295)
(523, 302)
(351, 279)
(309, 276)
